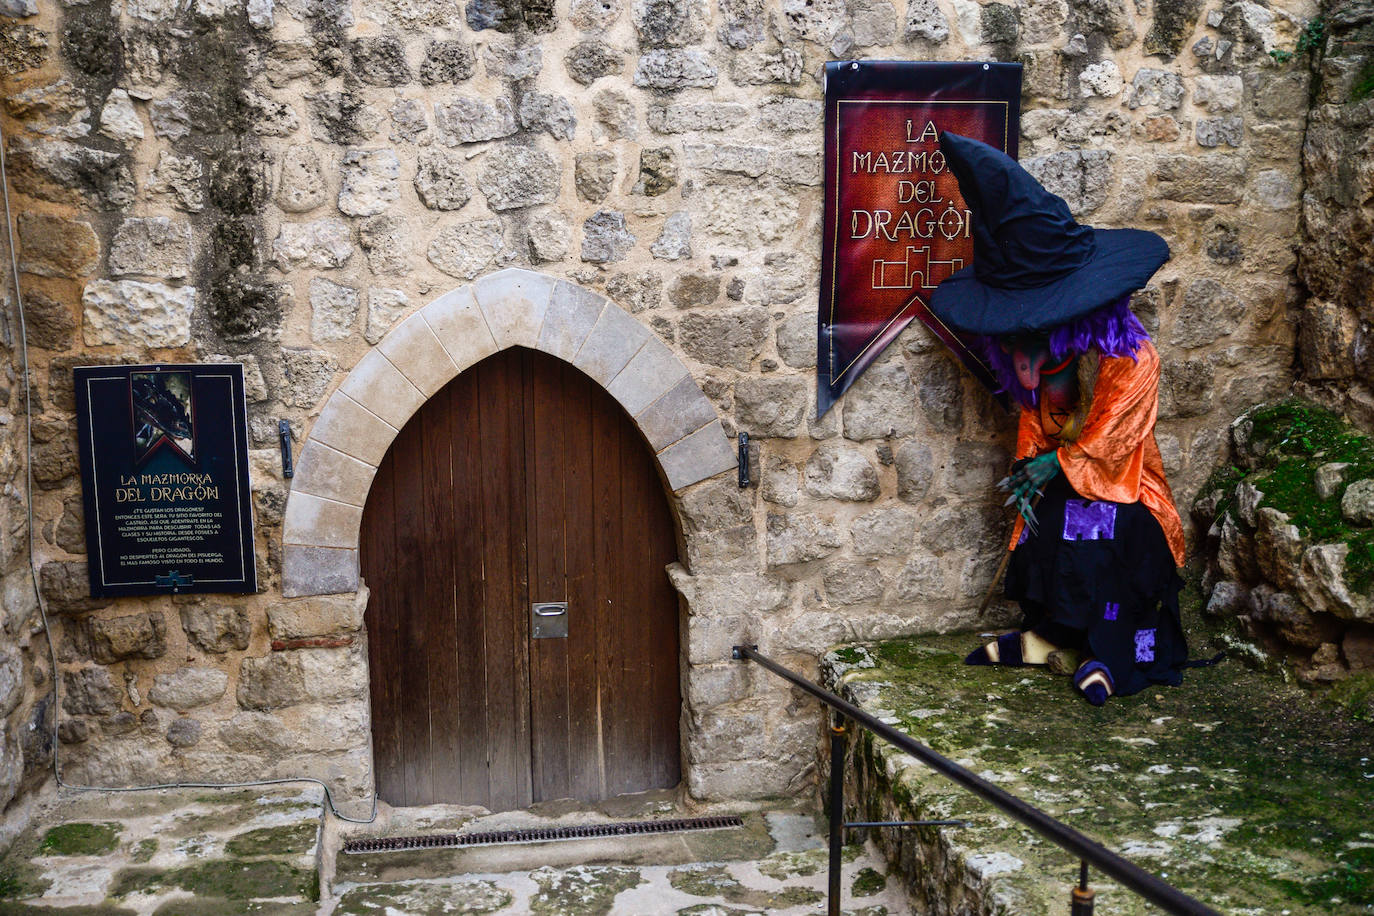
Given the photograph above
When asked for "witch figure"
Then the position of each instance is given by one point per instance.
(1098, 542)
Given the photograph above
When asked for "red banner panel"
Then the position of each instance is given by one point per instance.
(895, 225)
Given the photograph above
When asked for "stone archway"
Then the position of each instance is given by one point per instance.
(424, 352)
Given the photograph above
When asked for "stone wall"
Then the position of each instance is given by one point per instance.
(1337, 256)
(282, 184)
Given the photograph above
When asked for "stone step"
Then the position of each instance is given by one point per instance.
(192, 851)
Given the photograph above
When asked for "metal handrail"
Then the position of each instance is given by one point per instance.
(1156, 891)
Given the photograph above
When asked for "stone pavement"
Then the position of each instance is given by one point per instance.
(776, 864)
(184, 852)
(203, 852)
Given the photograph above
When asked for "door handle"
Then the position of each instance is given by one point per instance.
(549, 619)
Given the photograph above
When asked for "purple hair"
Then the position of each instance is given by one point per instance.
(1112, 330)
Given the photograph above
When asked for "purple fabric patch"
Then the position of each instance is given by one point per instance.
(1111, 611)
(1089, 521)
(1144, 646)
(1025, 535)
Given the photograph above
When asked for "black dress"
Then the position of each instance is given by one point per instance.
(1098, 577)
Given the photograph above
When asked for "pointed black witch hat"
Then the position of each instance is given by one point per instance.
(1034, 266)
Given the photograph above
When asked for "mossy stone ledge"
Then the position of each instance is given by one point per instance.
(1240, 788)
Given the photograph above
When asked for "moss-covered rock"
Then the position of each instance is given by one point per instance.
(1203, 784)
(587, 890)
(79, 839)
(286, 840)
(458, 898)
(224, 878)
(868, 882)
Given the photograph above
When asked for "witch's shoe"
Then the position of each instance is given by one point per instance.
(1094, 681)
(1013, 650)
(1004, 650)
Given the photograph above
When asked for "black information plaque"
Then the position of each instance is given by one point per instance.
(164, 476)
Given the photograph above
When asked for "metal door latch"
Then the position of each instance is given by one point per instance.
(549, 620)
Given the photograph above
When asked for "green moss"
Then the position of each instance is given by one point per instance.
(144, 851)
(79, 839)
(1355, 695)
(868, 882)
(289, 840)
(1254, 809)
(223, 878)
(1363, 86)
(1295, 439)
(587, 890)
(20, 909)
(784, 865)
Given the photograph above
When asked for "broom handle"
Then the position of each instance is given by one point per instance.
(1001, 569)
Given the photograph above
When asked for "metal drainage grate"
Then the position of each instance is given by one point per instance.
(541, 835)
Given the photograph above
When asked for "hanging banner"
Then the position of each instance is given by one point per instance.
(895, 225)
(164, 478)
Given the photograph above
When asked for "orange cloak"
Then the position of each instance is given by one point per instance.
(1115, 457)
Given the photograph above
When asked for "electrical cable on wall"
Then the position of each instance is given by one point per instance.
(33, 569)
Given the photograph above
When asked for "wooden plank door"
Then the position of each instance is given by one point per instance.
(521, 481)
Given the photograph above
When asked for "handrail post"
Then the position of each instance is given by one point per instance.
(837, 736)
(1081, 901)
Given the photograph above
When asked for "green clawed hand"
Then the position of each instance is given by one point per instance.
(1027, 482)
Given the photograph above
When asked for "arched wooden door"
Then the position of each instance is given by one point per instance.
(522, 481)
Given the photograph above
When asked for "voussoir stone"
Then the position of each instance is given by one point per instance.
(187, 688)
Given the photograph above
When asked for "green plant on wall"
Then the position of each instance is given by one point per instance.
(1312, 40)
(1363, 86)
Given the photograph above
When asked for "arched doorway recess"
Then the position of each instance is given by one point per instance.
(419, 357)
(522, 631)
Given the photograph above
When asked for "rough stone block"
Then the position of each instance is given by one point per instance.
(136, 315)
(317, 616)
(691, 117)
(881, 403)
(370, 181)
(188, 688)
(322, 244)
(271, 682)
(333, 310)
(216, 628)
(473, 120)
(52, 246)
(800, 538)
(90, 692)
(1215, 178)
(688, 68)
(467, 249)
(771, 406)
(839, 471)
(155, 246)
(132, 636)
